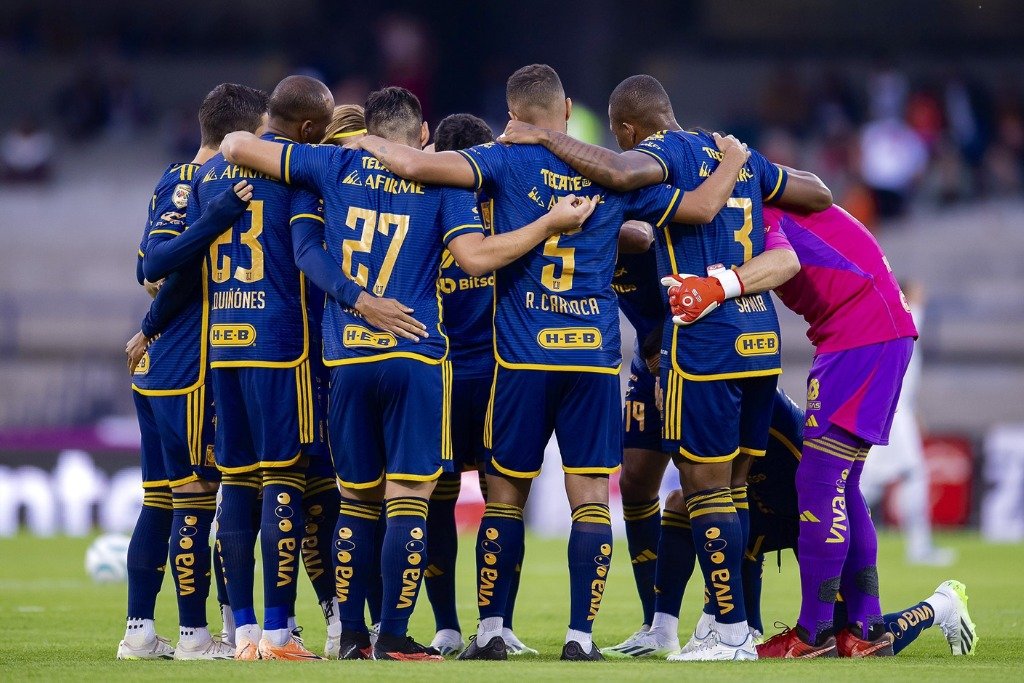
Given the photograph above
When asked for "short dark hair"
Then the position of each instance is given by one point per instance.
(638, 99)
(392, 113)
(230, 107)
(301, 98)
(536, 87)
(461, 131)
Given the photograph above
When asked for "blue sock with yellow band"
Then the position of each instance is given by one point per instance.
(236, 541)
(439, 577)
(354, 547)
(147, 552)
(190, 554)
(676, 560)
(590, 555)
(403, 558)
(320, 503)
(499, 548)
(718, 540)
(643, 529)
(375, 592)
(281, 534)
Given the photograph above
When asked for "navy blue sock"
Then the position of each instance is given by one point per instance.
(499, 547)
(439, 578)
(590, 556)
(190, 554)
(513, 591)
(718, 537)
(401, 561)
(354, 548)
(375, 592)
(907, 625)
(643, 529)
(281, 542)
(147, 552)
(320, 514)
(218, 578)
(753, 572)
(676, 560)
(236, 540)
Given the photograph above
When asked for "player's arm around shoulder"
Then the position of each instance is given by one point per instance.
(804, 192)
(700, 206)
(436, 168)
(246, 149)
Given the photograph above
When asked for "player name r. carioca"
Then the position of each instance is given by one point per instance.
(561, 304)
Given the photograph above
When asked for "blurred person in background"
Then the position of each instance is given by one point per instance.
(892, 158)
(902, 461)
(26, 153)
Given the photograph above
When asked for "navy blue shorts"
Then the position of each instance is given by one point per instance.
(177, 438)
(319, 452)
(266, 417)
(769, 532)
(470, 396)
(581, 408)
(390, 418)
(641, 419)
(716, 420)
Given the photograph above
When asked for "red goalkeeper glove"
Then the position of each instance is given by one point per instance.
(691, 297)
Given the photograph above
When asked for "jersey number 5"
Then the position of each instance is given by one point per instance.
(562, 283)
(251, 239)
(372, 223)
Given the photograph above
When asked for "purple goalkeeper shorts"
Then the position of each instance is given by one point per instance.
(857, 389)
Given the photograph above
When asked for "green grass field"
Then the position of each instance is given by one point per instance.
(56, 625)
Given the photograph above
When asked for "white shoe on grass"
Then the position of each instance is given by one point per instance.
(713, 649)
(961, 633)
(155, 648)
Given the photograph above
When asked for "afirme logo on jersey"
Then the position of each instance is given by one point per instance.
(232, 335)
(358, 337)
(757, 344)
(570, 338)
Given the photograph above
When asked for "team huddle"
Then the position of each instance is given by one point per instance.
(346, 318)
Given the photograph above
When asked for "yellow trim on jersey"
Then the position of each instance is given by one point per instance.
(204, 325)
(476, 168)
(415, 477)
(305, 215)
(141, 255)
(164, 231)
(664, 166)
(671, 205)
(711, 458)
(715, 376)
(288, 164)
(671, 250)
(513, 473)
(785, 442)
(194, 414)
(591, 470)
(185, 480)
(778, 184)
(446, 410)
(461, 227)
(263, 464)
(489, 415)
(753, 452)
(358, 487)
(596, 369)
(384, 356)
(672, 418)
(271, 363)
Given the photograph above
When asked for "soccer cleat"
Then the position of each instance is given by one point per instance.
(353, 645)
(212, 648)
(403, 649)
(573, 652)
(643, 644)
(849, 644)
(157, 648)
(291, 651)
(514, 646)
(712, 648)
(495, 650)
(331, 645)
(448, 642)
(961, 633)
(693, 643)
(245, 649)
(756, 635)
(374, 632)
(790, 644)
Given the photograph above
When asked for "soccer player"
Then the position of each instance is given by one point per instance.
(468, 304)
(863, 334)
(175, 414)
(556, 345)
(390, 394)
(729, 370)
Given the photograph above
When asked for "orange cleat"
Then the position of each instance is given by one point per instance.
(790, 644)
(850, 645)
(292, 651)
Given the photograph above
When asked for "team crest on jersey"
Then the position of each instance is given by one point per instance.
(180, 196)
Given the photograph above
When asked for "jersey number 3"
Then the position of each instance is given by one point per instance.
(372, 223)
(743, 234)
(250, 239)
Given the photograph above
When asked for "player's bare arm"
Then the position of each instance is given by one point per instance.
(701, 205)
(135, 349)
(479, 255)
(804, 192)
(635, 237)
(617, 171)
(437, 168)
(768, 270)
(245, 149)
(391, 316)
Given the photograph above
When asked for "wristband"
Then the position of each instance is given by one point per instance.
(730, 282)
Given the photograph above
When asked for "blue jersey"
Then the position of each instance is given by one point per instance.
(772, 479)
(741, 338)
(258, 314)
(555, 308)
(641, 296)
(387, 234)
(469, 312)
(175, 362)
